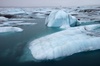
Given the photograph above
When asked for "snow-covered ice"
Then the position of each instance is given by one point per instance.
(10, 29)
(3, 19)
(59, 18)
(40, 15)
(26, 23)
(92, 27)
(12, 11)
(20, 19)
(65, 43)
(16, 23)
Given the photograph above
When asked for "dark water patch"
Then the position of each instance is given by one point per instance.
(91, 58)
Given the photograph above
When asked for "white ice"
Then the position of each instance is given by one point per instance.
(3, 19)
(59, 18)
(12, 11)
(92, 27)
(16, 23)
(40, 15)
(42, 10)
(20, 19)
(65, 43)
(10, 29)
(26, 23)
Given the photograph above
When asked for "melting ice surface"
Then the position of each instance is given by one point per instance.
(12, 11)
(39, 15)
(10, 29)
(65, 43)
(16, 23)
(2, 19)
(59, 18)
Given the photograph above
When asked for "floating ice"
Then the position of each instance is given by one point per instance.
(60, 19)
(16, 23)
(10, 29)
(26, 23)
(20, 19)
(2, 19)
(92, 27)
(9, 23)
(64, 43)
(43, 10)
(12, 11)
(40, 15)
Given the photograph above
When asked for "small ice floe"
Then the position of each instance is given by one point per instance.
(26, 23)
(59, 18)
(10, 23)
(20, 19)
(40, 15)
(12, 11)
(3, 19)
(92, 27)
(64, 43)
(43, 10)
(10, 29)
(16, 23)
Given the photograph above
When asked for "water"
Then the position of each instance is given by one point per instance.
(14, 49)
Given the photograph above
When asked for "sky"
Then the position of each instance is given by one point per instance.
(34, 3)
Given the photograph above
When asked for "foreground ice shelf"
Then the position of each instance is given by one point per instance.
(65, 43)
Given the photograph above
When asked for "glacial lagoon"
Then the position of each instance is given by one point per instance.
(15, 51)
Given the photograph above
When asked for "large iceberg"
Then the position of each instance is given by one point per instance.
(10, 29)
(59, 18)
(65, 43)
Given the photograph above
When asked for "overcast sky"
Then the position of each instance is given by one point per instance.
(32, 3)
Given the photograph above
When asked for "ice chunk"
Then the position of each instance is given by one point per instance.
(63, 43)
(26, 23)
(16, 23)
(2, 19)
(40, 15)
(10, 29)
(13, 11)
(20, 19)
(60, 19)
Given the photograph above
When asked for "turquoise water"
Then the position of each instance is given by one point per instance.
(14, 49)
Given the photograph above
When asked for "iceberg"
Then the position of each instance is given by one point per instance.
(65, 43)
(61, 19)
(10, 29)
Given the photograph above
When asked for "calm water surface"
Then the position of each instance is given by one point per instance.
(14, 49)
